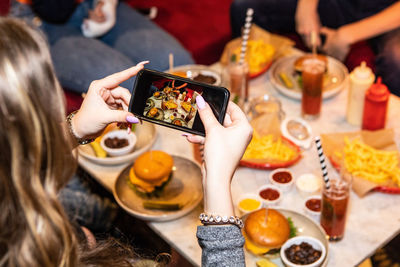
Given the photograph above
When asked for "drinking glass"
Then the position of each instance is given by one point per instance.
(334, 206)
(238, 79)
(313, 71)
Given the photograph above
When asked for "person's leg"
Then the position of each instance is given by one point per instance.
(86, 207)
(388, 60)
(273, 15)
(78, 61)
(140, 39)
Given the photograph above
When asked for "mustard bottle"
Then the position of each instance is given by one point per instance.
(361, 78)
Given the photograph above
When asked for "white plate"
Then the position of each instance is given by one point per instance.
(337, 79)
(146, 135)
(305, 226)
(185, 187)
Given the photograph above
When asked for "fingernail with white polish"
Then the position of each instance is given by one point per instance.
(200, 102)
(143, 62)
(185, 134)
(132, 119)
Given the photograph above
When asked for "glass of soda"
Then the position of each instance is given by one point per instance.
(335, 201)
(313, 70)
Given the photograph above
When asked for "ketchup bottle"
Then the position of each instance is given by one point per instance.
(375, 106)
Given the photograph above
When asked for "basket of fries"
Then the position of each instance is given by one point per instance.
(371, 157)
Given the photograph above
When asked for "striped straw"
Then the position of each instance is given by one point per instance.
(322, 161)
(246, 34)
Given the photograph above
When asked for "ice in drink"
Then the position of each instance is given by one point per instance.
(334, 208)
(239, 82)
(313, 71)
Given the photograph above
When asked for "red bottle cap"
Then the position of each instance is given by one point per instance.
(378, 91)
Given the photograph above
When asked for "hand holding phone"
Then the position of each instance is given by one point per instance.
(170, 100)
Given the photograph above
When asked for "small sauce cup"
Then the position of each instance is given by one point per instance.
(270, 194)
(313, 242)
(282, 178)
(308, 184)
(121, 134)
(248, 203)
(312, 206)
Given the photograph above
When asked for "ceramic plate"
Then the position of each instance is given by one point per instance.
(336, 79)
(193, 70)
(185, 187)
(305, 226)
(146, 135)
(267, 164)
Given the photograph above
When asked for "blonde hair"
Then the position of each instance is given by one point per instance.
(36, 160)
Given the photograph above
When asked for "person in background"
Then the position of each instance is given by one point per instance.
(90, 39)
(37, 161)
(341, 22)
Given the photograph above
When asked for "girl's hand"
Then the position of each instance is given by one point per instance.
(223, 148)
(97, 13)
(105, 102)
(307, 21)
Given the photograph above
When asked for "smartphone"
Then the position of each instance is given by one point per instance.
(170, 100)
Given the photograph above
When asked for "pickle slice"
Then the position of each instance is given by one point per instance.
(286, 80)
(161, 205)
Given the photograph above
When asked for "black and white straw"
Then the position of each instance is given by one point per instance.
(246, 34)
(322, 162)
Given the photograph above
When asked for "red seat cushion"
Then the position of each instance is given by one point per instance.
(73, 101)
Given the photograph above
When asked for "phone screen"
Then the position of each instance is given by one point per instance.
(170, 100)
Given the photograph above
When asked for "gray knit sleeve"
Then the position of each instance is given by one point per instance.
(222, 245)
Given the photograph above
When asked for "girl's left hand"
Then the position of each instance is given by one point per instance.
(104, 103)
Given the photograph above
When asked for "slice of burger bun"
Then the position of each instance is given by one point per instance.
(266, 231)
(298, 64)
(151, 170)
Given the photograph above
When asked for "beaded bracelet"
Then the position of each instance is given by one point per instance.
(81, 141)
(220, 220)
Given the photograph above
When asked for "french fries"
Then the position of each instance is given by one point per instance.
(364, 161)
(265, 147)
(259, 54)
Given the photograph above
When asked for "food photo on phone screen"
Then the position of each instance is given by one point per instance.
(172, 101)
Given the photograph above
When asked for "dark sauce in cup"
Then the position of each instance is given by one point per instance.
(302, 254)
(116, 142)
(282, 177)
(269, 194)
(314, 204)
(204, 79)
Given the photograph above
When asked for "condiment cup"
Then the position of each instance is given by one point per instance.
(313, 214)
(315, 243)
(285, 187)
(308, 184)
(249, 196)
(267, 202)
(121, 134)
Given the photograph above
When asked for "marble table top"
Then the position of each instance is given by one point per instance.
(372, 220)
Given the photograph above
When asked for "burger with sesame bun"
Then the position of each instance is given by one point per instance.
(265, 231)
(150, 172)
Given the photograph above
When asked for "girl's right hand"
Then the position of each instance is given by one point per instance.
(224, 146)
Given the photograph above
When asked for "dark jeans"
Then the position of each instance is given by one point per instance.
(278, 16)
(79, 60)
(86, 206)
